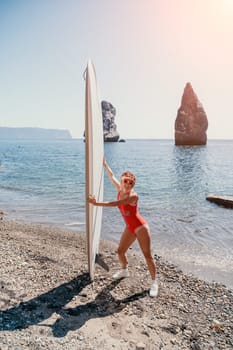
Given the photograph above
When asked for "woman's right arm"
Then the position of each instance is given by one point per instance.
(129, 200)
(111, 176)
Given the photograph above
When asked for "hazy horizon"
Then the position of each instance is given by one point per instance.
(144, 53)
(126, 138)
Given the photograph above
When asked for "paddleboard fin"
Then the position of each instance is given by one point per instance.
(99, 260)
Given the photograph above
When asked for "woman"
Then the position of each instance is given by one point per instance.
(136, 226)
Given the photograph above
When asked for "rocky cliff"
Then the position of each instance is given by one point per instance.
(33, 133)
(109, 126)
(191, 121)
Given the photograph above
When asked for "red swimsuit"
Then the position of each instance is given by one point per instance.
(131, 216)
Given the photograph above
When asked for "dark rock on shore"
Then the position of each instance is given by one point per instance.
(224, 201)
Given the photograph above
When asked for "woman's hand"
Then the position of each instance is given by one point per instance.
(105, 164)
(107, 168)
(110, 174)
(92, 199)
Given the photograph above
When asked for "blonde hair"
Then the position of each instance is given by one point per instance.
(129, 175)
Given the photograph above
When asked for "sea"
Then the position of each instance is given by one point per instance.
(44, 182)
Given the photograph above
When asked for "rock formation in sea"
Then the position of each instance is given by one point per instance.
(109, 126)
(191, 121)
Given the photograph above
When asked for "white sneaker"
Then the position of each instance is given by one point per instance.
(123, 273)
(154, 289)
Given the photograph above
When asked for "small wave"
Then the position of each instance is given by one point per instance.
(11, 188)
(75, 224)
(16, 189)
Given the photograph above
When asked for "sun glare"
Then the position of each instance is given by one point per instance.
(228, 4)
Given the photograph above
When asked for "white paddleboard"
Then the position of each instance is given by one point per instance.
(94, 153)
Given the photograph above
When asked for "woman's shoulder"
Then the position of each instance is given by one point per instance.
(134, 197)
(133, 194)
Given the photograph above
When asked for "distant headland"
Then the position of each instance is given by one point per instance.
(33, 133)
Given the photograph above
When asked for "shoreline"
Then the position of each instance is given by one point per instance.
(187, 262)
(208, 260)
(47, 300)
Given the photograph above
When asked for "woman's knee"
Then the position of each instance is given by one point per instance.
(120, 251)
(147, 255)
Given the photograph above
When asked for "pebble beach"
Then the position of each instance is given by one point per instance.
(47, 300)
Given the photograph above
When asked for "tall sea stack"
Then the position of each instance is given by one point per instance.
(191, 121)
(109, 126)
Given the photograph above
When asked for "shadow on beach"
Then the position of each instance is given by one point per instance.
(36, 310)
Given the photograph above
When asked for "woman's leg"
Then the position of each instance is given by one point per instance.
(126, 241)
(144, 240)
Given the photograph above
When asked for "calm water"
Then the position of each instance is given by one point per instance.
(44, 182)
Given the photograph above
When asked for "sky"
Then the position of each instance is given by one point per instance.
(144, 53)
